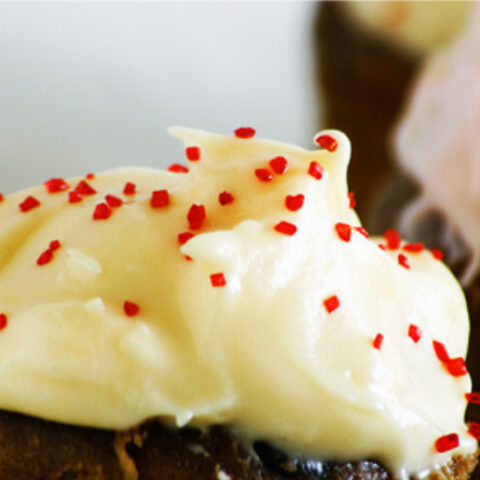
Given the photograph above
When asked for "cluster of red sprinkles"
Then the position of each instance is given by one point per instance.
(393, 241)
(474, 427)
(47, 255)
(455, 366)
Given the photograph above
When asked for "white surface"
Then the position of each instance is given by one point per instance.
(88, 86)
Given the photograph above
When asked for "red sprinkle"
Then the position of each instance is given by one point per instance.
(327, 142)
(437, 253)
(377, 341)
(393, 239)
(192, 153)
(315, 170)
(403, 261)
(113, 201)
(294, 202)
(3, 321)
(279, 164)
(29, 204)
(381, 246)
(225, 198)
(102, 212)
(414, 247)
(177, 168)
(414, 333)
(90, 176)
(131, 309)
(264, 175)
(218, 280)
(447, 442)
(196, 216)
(1, 197)
(184, 237)
(331, 303)
(130, 188)
(159, 199)
(352, 203)
(286, 228)
(74, 197)
(473, 397)
(456, 367)
(54, 245)
(84, 188)
(440, 351)
(244, 132)
(45, 257)
(56, 185)
(474, 430)
(344, 231)
(362, 231)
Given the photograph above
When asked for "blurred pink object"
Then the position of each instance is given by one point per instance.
(438, 141)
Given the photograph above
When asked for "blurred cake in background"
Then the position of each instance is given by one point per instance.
(367, 54)
(437, 142)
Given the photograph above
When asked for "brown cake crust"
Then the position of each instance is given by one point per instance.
(34, 449)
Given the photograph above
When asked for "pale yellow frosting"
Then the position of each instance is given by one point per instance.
(260, 353)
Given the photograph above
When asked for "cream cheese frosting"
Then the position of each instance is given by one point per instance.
(267, 326)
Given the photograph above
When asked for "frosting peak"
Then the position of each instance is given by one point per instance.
(259, 310)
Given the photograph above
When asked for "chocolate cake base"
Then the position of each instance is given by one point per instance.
(34, 449)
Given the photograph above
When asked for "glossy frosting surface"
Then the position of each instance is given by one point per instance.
(262, 352)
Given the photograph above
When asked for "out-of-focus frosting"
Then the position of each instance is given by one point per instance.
(438, 141)
(261, 353)
(419, 27)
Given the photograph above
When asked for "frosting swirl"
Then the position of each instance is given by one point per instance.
(269, 327)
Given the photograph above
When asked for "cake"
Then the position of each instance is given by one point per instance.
(230, 320)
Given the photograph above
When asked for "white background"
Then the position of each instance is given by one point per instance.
(89, 86)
